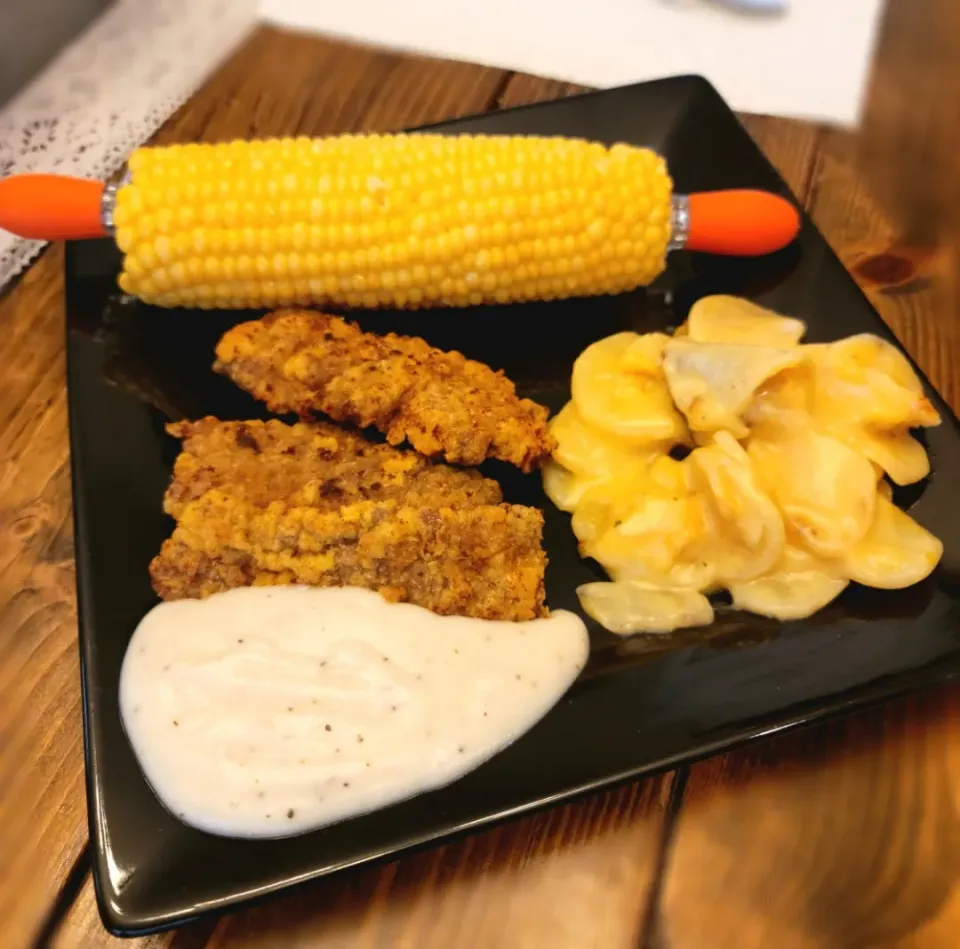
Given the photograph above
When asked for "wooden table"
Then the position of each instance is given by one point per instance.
(839, 837)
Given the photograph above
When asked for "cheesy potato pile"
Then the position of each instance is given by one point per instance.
(782, 499)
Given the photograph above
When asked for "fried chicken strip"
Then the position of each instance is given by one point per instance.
(484, 561)
(312, 465)
(270, 503)
(442, 404)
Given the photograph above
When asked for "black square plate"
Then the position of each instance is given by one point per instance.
(639, 706)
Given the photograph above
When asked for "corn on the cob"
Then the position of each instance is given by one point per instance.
(391, 220)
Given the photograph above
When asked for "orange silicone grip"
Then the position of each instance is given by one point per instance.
(741, 223)
(51, 207)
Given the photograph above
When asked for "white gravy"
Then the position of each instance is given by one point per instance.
(269, 711)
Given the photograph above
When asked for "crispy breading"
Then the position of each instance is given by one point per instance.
(484, 561)
(314, 465)
(270, 503)
(442, 404)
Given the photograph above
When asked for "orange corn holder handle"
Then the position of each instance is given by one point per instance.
(736, 223)
(740, 223)
(52, 207)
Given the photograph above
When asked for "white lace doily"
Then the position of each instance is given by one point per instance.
(110, 90)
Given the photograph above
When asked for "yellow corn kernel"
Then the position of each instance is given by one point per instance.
(392, 220)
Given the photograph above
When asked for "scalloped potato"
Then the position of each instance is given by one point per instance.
(896, 552)
(588, 450)
(866, 394)
(900, 455)
(725, 319)
(565, 488)
(655, 542)
(798, 586)
(783, 499)
(635, 607)
(618, 387)
(713, 384)
(823, 488)
(747, 536)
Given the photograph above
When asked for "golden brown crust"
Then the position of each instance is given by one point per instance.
(315, 465)
(482, 561)
(268, 503)
(443, 404)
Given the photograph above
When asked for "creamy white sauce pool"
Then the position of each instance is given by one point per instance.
(268, 711)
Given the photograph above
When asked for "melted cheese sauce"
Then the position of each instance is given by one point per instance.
(270, 711)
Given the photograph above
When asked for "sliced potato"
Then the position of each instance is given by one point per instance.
(644, 355)
(747, 536)
(564, 488)
(713, 384)
(900, 455)
(865, 380)
(613, 394)
(798, 586)
(784, 520)
(857, 355)
(636, 607)
(783, 403)
(601, 507)
(896, 552)
(824, 489)
(644, 532)
(667, 476)
(726, 319)
(788, 596)
(587, 450)
(649, 541)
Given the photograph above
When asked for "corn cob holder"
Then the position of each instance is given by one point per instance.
(393, 220)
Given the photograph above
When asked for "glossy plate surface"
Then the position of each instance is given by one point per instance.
(641, 704)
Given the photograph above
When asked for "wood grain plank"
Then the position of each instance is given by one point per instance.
(941, 931)
(283, 83)
(911, 135)
(791, 147)
(838, 837)
(907, 281)
(523, 89)
(276, 83)
(42, 809)
(848, 835)
(81, 929)
(581, 873)
(888, 197)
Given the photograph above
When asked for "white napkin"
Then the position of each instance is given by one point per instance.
(810, 62)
